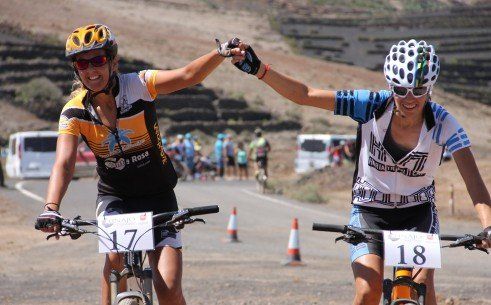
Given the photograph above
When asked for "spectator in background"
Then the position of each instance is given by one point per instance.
(164, 144)
(242, 161)
(230, 152)
(337, 155)
(349, 151)
(189, 153)
(219, 154)
(197, 144)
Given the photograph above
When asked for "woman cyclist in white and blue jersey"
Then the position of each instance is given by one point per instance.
(401, 136)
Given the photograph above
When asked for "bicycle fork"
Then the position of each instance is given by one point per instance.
(146, 295)
(400, 290)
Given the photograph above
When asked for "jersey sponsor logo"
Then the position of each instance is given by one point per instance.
(125, 106)
(364, 192)
(159, 144)
(64, 122)
(112, 140)
(378, 159)
(113, 163)
(120, 163)
(377, 149)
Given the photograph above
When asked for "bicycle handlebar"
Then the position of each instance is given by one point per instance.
(177, 219)
(355, 235)
(208, 209)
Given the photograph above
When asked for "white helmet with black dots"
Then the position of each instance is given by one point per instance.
(412, 64)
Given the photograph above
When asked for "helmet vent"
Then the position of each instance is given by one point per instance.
(76, 40)
(410, 65)
(88, 37)
(410, 77)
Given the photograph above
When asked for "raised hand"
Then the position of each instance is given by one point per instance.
(250, 63)
(226, 49)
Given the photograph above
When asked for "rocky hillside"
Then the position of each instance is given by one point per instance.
(460, 34)
(23, 58)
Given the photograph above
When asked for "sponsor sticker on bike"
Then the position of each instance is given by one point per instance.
(412, 249)
(123, 232)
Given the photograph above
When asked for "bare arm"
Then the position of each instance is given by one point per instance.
(296, 91)
(474, 183)
(61, 175)
(168, 81)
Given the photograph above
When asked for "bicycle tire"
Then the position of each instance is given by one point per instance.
(131, 301)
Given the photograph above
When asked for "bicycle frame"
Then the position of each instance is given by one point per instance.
(402, 288)
(132, 268)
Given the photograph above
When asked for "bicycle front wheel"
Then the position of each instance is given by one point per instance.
(131, 301)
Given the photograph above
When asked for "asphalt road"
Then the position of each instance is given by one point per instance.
(35, 271)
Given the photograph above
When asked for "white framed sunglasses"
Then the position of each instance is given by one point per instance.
(403, 91)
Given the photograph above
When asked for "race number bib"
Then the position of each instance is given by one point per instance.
(412, 249)
(123, 232)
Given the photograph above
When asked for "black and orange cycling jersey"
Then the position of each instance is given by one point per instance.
(130, 160)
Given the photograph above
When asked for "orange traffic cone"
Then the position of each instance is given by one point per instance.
(293, 252)
(232, 227)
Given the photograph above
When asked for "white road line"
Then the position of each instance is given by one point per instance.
(20, 187)
(291, 205)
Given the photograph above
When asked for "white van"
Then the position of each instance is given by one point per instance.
(314, 150)
(31, 154)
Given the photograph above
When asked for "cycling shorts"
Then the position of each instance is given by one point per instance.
(421, 218)
(113, 205)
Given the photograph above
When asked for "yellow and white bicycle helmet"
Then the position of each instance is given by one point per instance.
(91, 37)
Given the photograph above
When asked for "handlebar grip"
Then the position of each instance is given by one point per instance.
(329, 227)
(450, 237)
(209, 209)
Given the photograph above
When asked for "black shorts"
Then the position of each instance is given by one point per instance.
(243, 165)
(230, 161)
(421, 218)
(166, 202)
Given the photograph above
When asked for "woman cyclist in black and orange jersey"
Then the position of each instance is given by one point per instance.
(115, 115)
(401, 137)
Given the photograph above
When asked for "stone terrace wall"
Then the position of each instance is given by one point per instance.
(461, 36)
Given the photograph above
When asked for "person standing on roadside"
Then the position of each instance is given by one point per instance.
(189, 153)
(115, 115)
(230, 152)
(220, 155)
(242, 161)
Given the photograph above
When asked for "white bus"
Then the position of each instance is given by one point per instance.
(314, 150)
(31, 154)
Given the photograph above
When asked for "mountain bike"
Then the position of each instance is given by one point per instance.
(133, 259)
(401, 289)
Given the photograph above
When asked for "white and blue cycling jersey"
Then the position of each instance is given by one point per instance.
(379, 180)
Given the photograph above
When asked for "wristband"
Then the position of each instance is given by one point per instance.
(266, 69)
(50, 209)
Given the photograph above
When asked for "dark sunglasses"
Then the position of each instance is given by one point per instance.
(403, 91)
(98, 61)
